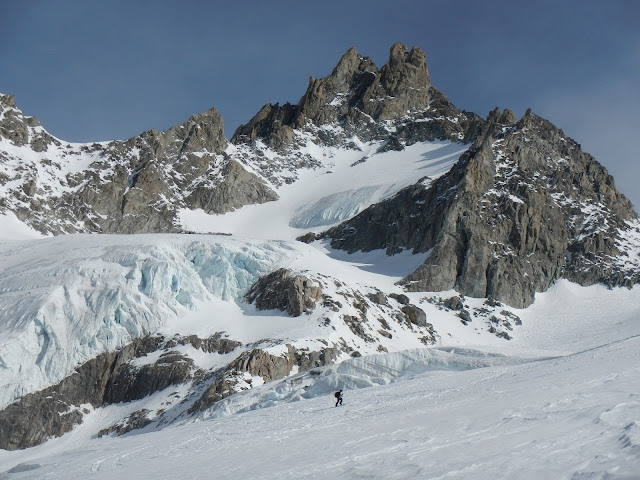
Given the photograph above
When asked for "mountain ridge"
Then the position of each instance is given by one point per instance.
(478, 214)
(575, 243)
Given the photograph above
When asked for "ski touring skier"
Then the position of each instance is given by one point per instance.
(338, 396)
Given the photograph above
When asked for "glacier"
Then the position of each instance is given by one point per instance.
(67, 299)
(343, 182)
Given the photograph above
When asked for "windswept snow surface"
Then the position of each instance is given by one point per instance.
(457, 413)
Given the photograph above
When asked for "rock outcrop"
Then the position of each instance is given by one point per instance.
(55, 410)
(259, 363)
(237, 188)
(283, 290)
(415, 315)
(129, 382)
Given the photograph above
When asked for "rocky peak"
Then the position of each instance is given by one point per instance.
(405, 79)
(20, 129)
(7, 101)
(532, 121)
(202, 133)
(401, 85)
(328, 99)
(271, 123)
(493, 116)
(507, 117)
(351, 96)
(405, 67)
(351, 63)
(205, 132)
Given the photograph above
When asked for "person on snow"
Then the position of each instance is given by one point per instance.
(338, 396)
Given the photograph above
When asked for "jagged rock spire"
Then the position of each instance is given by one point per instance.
(403, 84)
(352, 95)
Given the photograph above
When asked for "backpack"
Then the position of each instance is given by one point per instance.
(337, 395)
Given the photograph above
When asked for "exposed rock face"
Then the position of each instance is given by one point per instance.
(401, 86)
(129, 383)
(262, 364)
(238, 187)
(215, 343)
(404, 79)
(400, 298)
(134, 421)
(107, 379)
(523, 207)
(283, 290)
(116, 377)
(22, 130)
(55, 410)
(131, 186)
(415, 315)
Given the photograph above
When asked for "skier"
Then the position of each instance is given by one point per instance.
(338, 396)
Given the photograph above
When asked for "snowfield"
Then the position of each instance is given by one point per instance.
(346, 182)
(445, 412)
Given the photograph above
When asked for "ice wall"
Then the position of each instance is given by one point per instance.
(67, 299)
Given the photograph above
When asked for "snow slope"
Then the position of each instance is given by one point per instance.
(514, 413)
(345, 182)
(13, 229)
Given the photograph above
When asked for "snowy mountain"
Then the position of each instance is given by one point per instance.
(141, 184)
(349, 240)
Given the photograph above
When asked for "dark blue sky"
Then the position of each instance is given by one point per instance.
(105, 70)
